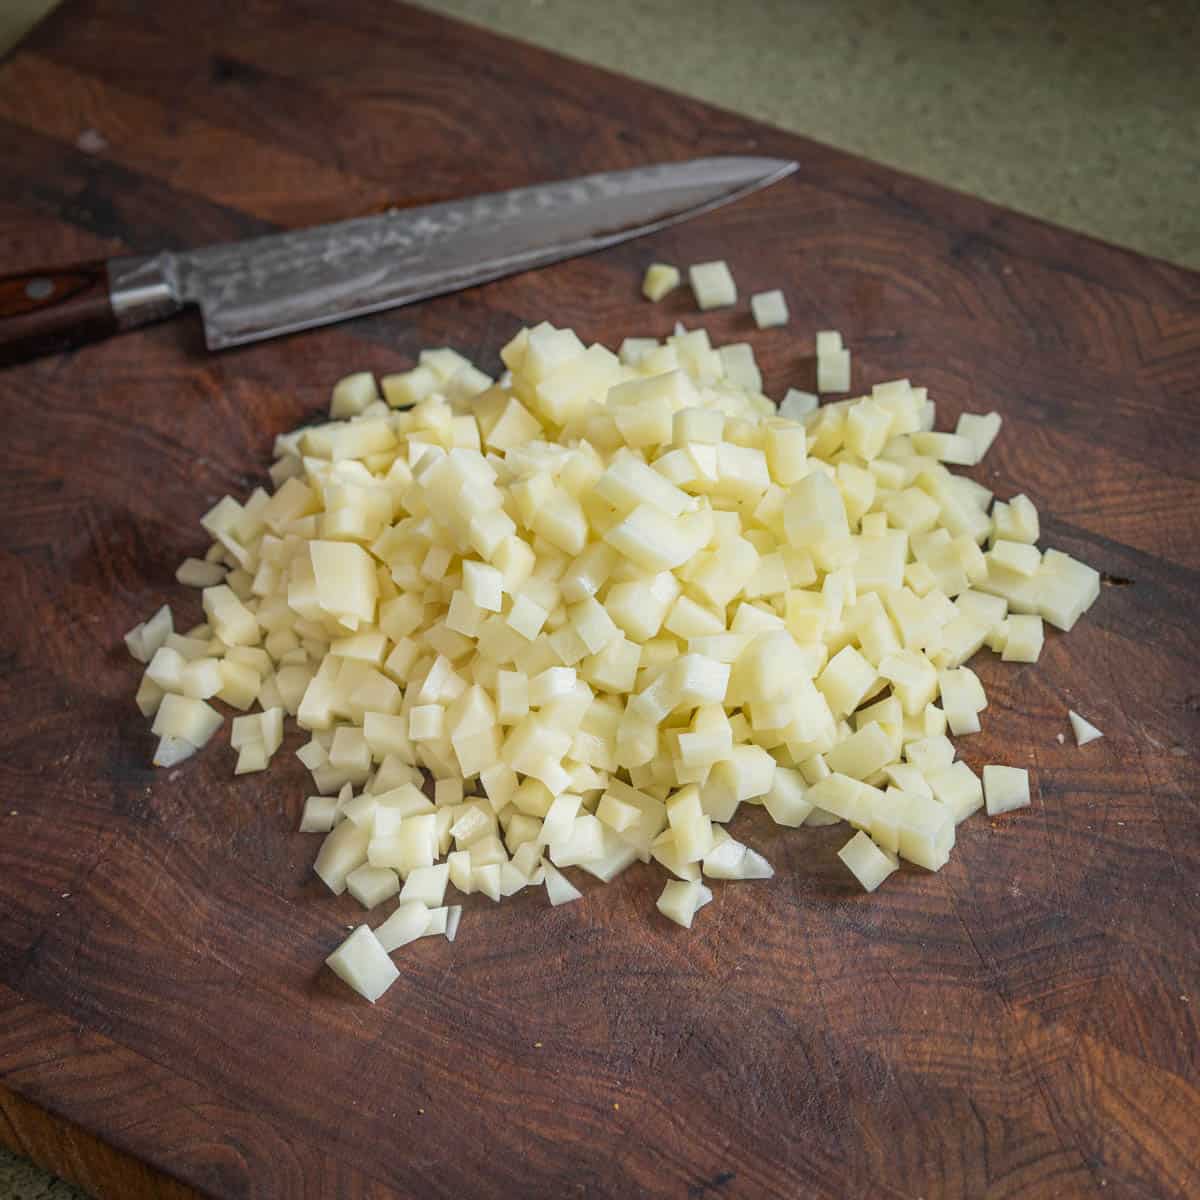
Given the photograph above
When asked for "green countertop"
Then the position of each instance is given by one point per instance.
(1086, 113)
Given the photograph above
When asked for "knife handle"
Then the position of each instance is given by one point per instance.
(44, 312)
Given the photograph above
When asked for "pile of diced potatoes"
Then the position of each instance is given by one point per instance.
(603, 603)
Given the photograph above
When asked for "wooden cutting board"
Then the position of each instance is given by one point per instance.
(1023, 1023)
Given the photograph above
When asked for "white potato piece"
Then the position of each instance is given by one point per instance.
(181, 717)
(409, 922)
(712, 283)
(352, 394)
(426, 884)
(740, 368)
(833, 371)
(797, 404)
(172, 751)
(371, 886)
(769, 309)
(1083, 729)
(867, 862)
(559, 888)
(660, 279)
(145, 639)
(1006, 789)
(680, 901)
(363, 963)
(319, 814)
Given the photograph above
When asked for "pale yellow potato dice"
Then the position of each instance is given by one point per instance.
(660, 279)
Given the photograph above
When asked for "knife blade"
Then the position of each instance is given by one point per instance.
(285, 282)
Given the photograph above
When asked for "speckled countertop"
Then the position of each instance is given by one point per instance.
(1085, 112)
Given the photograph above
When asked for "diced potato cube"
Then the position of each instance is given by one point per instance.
(680, 901)
(559, 889)
(797, 404)
(740, 368)
(1015, 556)
(409, 922)
(1006, 788)
(712, 283)
(660, 279)
(363, 963)
(958, 788)
(769, 309)
(980, 430)
(372, 885)
(1024, 637)
(182, 717)
(352, 394)
(867, 862)
(833, 371)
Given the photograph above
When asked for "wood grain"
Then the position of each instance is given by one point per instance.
(1022, 1024)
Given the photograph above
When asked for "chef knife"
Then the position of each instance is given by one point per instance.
(284, 282)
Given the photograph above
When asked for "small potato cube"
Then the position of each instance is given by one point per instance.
(231, 621)
(962, 699)
(786, 801)
(426, 722)
(410, 387)
(1016, 521)
(980, 430)
(1020, 557)
(833, 371)
(363, 963)
(1024, 637)
(352, 394)
(345, 576)
(740, 368)
(769, 309)
(634, 349)
(958, 788)
(616, 813)
(526, 617)
(559, 889)
(426, 884)
(1006, 788)
(689, 823)
(372, 885)
(868, 425)
(680, 901)
(483, 585)
(867, 862)
(787, 454)
(712, 283)
(182, 717)
(319, 814)
(863, 753)
(797, 404)
(846, 680)
(409, 922)
(660, 279)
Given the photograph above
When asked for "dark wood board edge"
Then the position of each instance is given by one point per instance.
(55, 1095)
(70, 1152)
(155, 1103)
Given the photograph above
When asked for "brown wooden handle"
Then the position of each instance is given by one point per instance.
(45, 312)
